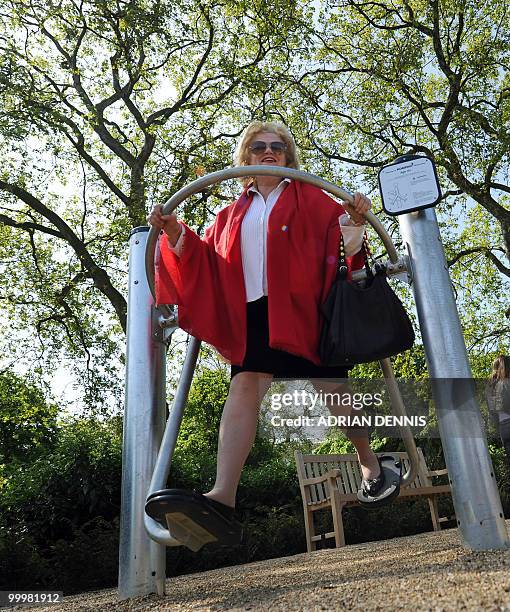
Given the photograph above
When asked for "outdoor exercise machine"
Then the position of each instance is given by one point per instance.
(148, 446)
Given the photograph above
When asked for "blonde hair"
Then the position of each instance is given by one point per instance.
(256, 127)
(500, 368)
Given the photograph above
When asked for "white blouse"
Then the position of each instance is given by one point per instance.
(254, 240)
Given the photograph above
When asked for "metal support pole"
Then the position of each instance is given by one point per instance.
(141, 560)
(474, 491)
(398, 409)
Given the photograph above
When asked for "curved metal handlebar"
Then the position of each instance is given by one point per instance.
(222, 175)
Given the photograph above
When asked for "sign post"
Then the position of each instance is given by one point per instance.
(409, 189)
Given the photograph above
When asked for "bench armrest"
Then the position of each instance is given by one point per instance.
(335, 473)
(318, 479)
(442, 472)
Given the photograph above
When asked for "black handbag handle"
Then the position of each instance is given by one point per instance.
(342, 262)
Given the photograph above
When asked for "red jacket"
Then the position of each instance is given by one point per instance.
(207, 282)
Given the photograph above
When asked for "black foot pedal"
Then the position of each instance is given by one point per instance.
(193, 519)
(391, 468)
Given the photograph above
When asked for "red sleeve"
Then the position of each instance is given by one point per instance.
(194, 281)
(176, 274)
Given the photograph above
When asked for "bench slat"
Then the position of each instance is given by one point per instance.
(324, 469)
(318, 538)
(345, 479)
(324, 490)
(352, 479)
(312, 490)
(319, 487)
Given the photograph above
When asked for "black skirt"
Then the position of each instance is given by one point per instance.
(260, 357)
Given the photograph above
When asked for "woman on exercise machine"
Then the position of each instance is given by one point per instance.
(252, 287)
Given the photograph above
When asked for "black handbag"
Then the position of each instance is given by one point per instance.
(362, 323)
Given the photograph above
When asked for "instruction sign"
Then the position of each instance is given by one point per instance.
(410, 183)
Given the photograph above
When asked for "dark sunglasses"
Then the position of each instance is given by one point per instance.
(259, 146)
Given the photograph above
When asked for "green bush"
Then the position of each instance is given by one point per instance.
(86, 560)
(22, 563)
(270, 533)
(272, 483)
(89, 558)
(65, 499)
(28, 425)
(77, 480)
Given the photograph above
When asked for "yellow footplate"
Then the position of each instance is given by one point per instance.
(189, 534)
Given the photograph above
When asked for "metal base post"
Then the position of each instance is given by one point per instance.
(141, 560)
(474, 491)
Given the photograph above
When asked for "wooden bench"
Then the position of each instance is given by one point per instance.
(332, 481)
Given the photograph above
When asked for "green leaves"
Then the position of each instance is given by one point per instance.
(28, 424)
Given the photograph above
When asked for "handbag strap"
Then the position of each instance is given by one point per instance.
(342, 262)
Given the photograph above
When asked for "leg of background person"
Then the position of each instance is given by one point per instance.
(237, 432)
(359, 437)
(504, 432)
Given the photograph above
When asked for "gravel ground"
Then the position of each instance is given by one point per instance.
(430, 571)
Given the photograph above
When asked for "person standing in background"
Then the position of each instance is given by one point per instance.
(498, 399)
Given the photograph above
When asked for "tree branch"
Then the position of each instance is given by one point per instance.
(97, 274)
(485, 251)
(30, 226)
(499, 186)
